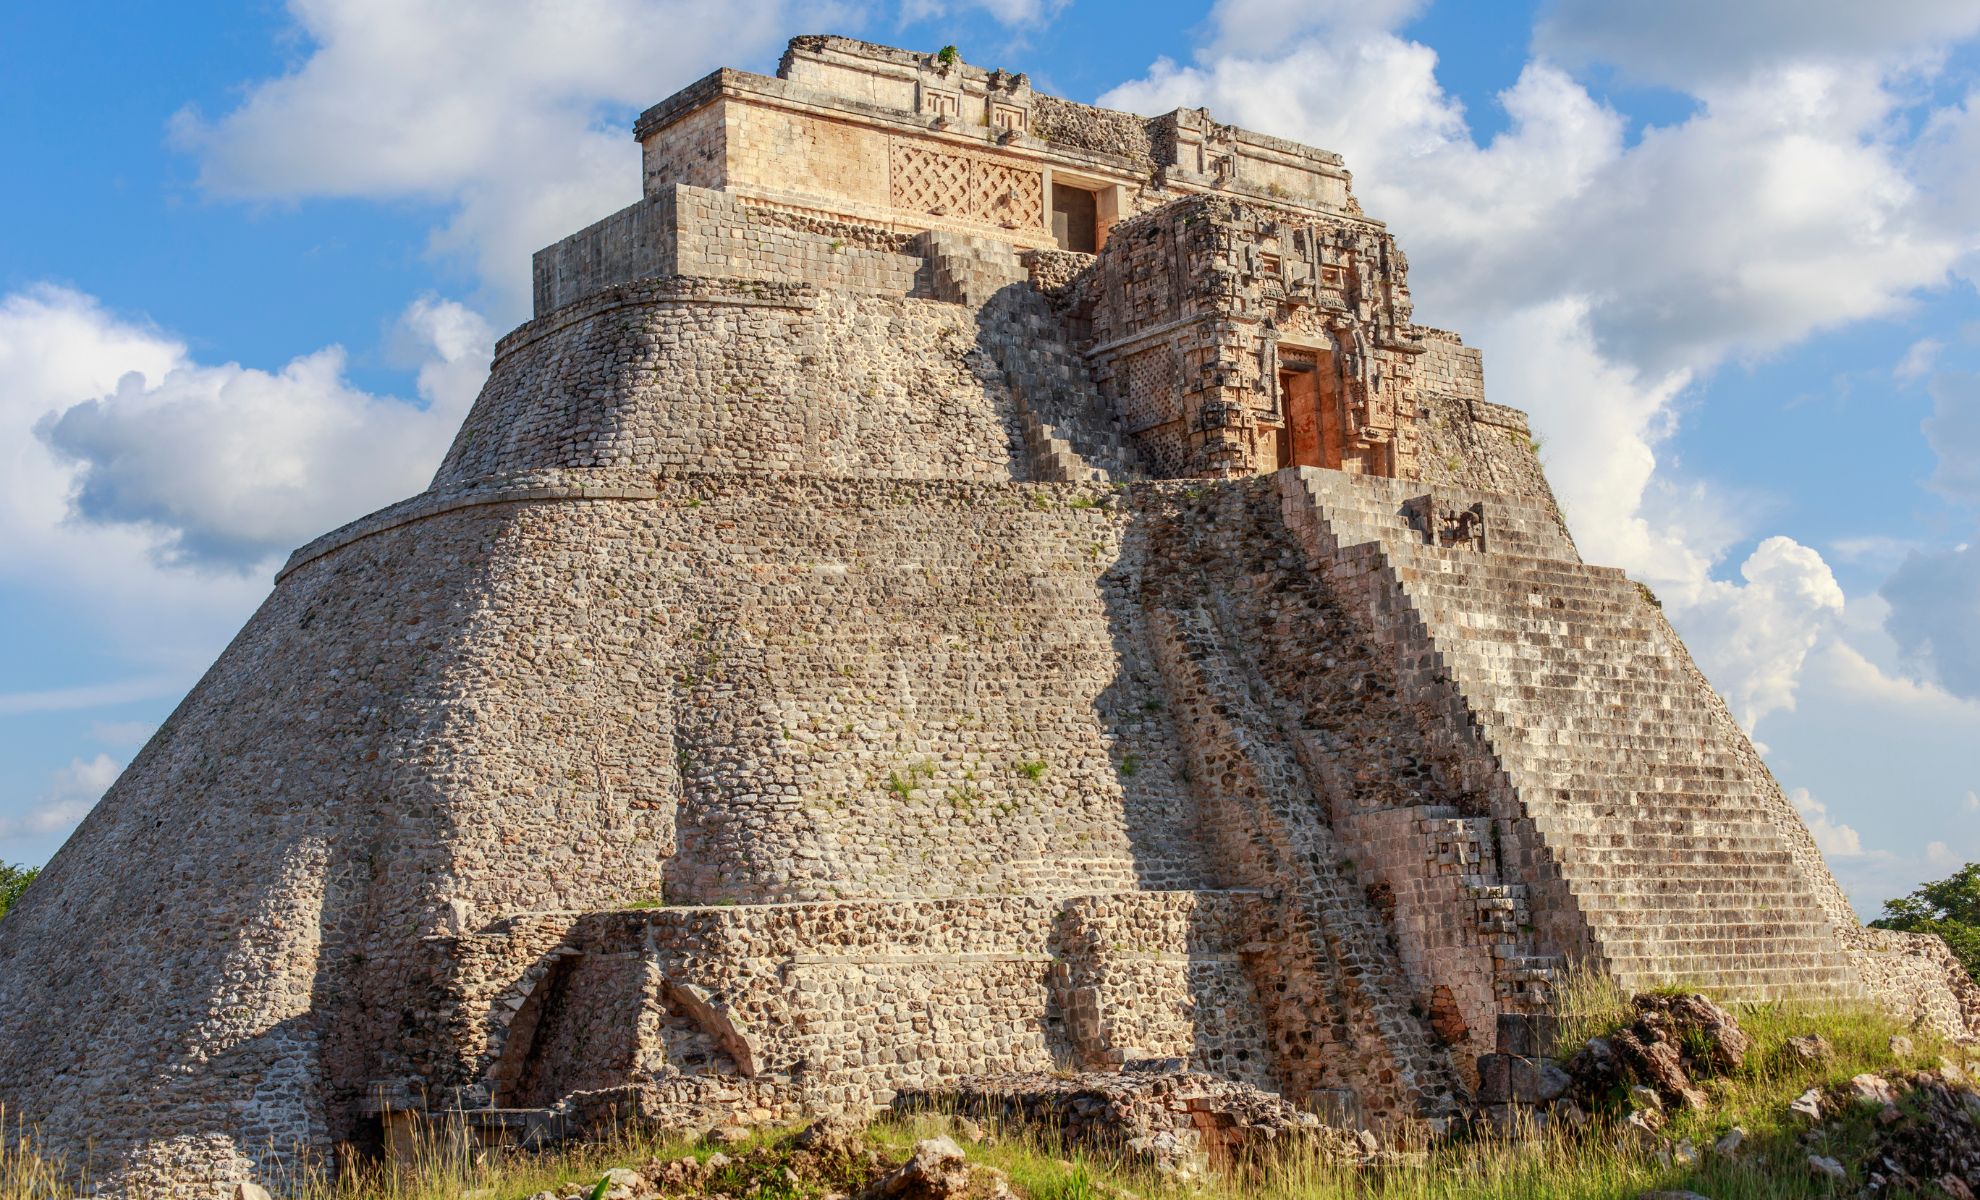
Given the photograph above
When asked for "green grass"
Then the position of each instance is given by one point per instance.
(1551, 1164)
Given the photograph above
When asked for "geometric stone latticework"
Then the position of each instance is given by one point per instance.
(965, 187)
(930, 181)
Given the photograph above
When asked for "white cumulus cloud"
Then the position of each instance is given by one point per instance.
(514, 115)
(124, 460)
(1919, 359)
(1757, 635)
(230, 464)
(1605, 278)
(1832, 839)
(71, 793)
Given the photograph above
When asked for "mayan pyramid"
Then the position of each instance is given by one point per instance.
(952, 580)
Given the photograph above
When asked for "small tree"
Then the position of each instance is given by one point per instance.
(14, 881)
(1949, 908)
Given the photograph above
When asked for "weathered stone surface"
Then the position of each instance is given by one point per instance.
(1869, 1089)
(1807, 1050)
(1672, 1042)
(1641, 1130)
(1177, 1123)
(935, 1170)
(861, 639)
(1934, 1138)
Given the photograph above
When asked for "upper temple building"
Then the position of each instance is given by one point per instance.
(952, 582)
(1267, 325)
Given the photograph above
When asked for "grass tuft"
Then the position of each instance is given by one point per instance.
(1554, 1164)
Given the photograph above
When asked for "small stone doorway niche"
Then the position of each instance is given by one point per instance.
(1309, 433)
(1075, 218)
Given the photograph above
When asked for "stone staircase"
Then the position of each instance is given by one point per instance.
(1070, 434)
(1288, 675)
(1266, 831)
(1651, 817)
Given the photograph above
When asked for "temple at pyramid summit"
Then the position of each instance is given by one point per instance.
(951, 581)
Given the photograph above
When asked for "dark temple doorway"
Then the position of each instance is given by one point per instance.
(1075, 218)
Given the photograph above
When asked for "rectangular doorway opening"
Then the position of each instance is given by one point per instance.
(1075, 218)
(1311, 433)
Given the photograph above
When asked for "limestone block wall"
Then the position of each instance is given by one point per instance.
(1346, 1024)
(691, 145)
(834, 764)
(1193, 150)
(220, 953)
(1185, 150)
(931, 777)
(776, 735)
(747, 376)
(1068, 123)
(938, 163)
(526, 705)
(1166, 975)
(1466, 439)
(695, 231)
(636, 242)
(723, 236)
(712, 1012)
(1405, 790)
(885, 76)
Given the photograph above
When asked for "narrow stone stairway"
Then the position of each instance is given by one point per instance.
(1651, 814)
(1070, 433)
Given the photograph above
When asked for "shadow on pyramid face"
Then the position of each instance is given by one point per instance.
(952, 581)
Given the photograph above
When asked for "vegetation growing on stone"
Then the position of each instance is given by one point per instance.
(1747, 1141)
(14, 880)
(1949, 908)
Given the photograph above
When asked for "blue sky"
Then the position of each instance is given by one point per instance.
(253, 260)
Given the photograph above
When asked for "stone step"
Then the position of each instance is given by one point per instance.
(1790, 971)
(1727, 864)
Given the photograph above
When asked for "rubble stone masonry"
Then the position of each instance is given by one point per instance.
(862, 637)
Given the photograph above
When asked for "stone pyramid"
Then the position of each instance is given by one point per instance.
(951, 581)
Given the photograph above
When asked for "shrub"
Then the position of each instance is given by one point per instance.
(1950, 908)
(13, 881)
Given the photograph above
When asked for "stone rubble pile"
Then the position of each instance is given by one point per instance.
(830, 1157)
(1673, 1042)
(1677, 1050)
(1178, 1122)
(1927, 1132)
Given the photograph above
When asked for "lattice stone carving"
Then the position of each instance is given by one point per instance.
(1006, 195)
(1152, 394)
(958, 185)
(929, 181)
